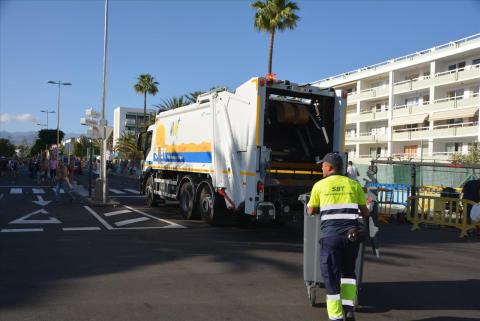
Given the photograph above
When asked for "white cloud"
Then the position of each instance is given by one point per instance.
(9, 118)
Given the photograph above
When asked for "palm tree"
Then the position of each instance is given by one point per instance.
(172, 103)
(192, 97)
(127, 147)
(273, 15)
(146, 84)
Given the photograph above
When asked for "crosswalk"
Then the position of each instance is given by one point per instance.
(43, 190)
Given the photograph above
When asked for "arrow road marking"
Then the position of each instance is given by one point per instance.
(40, 201)
(117, 212)
(135, 220)
(25, 219)
(38, 191)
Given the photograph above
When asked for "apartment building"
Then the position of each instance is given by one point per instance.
(421, 106)
(127, 120)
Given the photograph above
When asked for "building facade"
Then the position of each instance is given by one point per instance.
(127, 120)
(422, 106)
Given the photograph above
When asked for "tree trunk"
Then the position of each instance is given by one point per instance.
(270, 53)
(144, 108)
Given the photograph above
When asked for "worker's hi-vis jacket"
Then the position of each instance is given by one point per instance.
(337, 197)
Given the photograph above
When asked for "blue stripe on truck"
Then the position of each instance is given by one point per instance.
(186, 157)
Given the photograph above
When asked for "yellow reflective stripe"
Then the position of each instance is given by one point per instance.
(196, 170)
(288, 171)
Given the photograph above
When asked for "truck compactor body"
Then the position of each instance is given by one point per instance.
(251, 152)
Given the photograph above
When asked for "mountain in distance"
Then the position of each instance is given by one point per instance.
(17, 138)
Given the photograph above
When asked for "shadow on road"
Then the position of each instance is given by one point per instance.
(424, 295)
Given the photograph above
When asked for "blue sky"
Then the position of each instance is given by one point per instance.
(195, 45)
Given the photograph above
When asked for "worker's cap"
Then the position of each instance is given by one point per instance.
(332, 158)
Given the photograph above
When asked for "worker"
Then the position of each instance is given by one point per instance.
(340, 201)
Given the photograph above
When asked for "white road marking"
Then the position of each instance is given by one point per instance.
(25, 219)
(101, 220)
(11, 230)
(38, 191)
(61, 190)
(131, 190)
(134, 220)
(117, 212)
(172, 225)
(15, 191)
(1, 196)
(93, 228)
(41, 201)
(116, 191)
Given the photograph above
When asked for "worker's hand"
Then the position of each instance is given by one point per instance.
(311, 211)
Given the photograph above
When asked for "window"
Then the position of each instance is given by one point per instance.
(410, 150)
(455, 94)
(378, 107)
(411, 76)
(476, 62)
(453, 147)
(426, 99)
(452, 67)
(461, 64)
(411, 101)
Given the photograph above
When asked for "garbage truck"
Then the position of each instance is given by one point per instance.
(247, 153)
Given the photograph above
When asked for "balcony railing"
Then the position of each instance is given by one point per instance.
(452, 44)
(417, 129)
(468, 124)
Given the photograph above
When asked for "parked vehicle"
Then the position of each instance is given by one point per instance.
(252, 151)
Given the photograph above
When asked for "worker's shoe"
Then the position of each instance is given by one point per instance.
(348, 313)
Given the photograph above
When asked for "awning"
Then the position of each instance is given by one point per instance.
(413, 119)
(456, 113)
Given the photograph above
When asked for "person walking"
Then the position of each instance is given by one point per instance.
(62, 181)
(340, 202)
(352, 171)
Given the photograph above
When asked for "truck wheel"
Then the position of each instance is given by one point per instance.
(187, 199)
(212, 206)
(151, 197)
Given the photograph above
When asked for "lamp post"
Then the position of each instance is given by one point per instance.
(59, 83)
(47, 112)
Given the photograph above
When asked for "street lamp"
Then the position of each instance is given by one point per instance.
(47, 112)
(59, 83)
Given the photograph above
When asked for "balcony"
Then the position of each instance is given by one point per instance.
(455, 130)
(459, 74)
(410, 134)
(368, 115)
(366, 137)
(436, 105)
(369, 93)
(412, 84)
(130, 122)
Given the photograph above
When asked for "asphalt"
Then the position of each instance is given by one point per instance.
(199, 272)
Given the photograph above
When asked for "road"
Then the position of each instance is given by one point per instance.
(73, 261)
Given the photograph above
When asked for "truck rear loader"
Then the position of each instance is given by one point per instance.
(250, 152)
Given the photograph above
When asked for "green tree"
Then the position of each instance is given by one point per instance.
(49, 136)
(273, 15)
(37, 147)
(127, 147)
(472, 157)
(172, 103)
(146, 84)
(7, 149)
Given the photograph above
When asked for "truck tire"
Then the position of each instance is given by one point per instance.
(187, 201)
(211, 205)
(151, 197)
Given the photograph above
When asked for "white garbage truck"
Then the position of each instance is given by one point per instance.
(246, 153)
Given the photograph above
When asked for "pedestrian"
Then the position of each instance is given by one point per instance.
(62, 181)
(340, 202)
(53, 168)
(352, 171)
(471, 191)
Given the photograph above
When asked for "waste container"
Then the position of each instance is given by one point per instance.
(450, 193)
(311, 252)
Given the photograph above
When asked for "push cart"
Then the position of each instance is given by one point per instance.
(311, 252)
